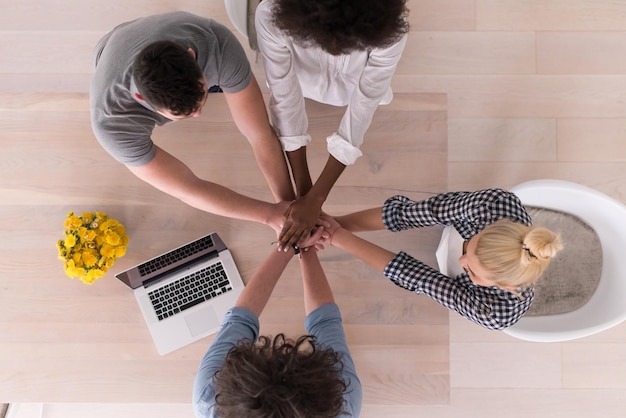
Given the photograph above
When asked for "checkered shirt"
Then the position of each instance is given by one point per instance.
(469, 213)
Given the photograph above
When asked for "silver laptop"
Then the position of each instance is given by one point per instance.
(184, 293)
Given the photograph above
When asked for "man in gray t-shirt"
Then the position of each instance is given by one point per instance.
(125, 108)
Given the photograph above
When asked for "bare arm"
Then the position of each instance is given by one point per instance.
(365, 220)
(300, 169)
(250, 115)
(377, 257)
(172, 176)
(317, 291)
(305, 211)
(259, 289)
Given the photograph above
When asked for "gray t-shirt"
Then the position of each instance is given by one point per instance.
(123, 125)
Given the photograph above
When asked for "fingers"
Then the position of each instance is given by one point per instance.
(298, 232)
(292, 235)
(316, 235)
(323, 220)
(307, 239)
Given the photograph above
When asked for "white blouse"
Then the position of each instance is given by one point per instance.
(360, 80)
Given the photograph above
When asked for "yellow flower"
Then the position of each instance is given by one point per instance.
(92, 275)
(107, 251)
(87, 218)
(70, 241)
(72, 270)
(89, 259)
(112, 238)
(91, 245)
(73, 222)
(120, 251)
(86, 235)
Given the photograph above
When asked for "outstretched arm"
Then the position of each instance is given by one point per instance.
(304, 213)
(317, 291)
(250, 115)
(344, 144)
(365, 220)
(259, 289)
(172, 176)
(370, 253)
(487, 306)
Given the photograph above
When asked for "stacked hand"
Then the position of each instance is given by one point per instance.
(319, 233)
(300, 219)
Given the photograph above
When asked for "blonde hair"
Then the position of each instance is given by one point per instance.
(516, 254)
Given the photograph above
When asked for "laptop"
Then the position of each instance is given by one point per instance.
(184, 293)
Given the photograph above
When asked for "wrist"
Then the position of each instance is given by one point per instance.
(332, 240)
(272, 214)
(315, 198)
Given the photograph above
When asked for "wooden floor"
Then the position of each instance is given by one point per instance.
(530, 88)
(89, 343)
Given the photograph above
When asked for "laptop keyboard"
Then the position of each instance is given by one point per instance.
(190, 290)
(175, 255)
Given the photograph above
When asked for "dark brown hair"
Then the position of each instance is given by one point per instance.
(169, 78)
(342, 26)
(277, 378)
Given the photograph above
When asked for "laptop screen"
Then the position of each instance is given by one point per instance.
(172, 260)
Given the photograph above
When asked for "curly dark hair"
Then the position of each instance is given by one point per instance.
(169, 78)
(342, 26)
(281, 380)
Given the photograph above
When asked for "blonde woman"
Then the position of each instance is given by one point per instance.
(501, 255)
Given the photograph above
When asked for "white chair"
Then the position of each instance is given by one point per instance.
(237, 11)
(607, 306)
(241, 15)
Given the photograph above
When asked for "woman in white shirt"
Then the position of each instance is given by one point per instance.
(338, 52)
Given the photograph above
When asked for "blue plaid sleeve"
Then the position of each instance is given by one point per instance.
(490, 307)
(468, 212)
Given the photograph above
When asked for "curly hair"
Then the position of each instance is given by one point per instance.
(278, 378)
(169, 78)
(342, 26)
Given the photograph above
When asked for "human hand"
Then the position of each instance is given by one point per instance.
(278, 216)
(300, 219)
(313, 239)
(331, 226)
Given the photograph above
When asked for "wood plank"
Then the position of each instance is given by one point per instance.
(523, 96)
(448, 52)
(48, 52)
(607, 177)
(441, 15)
(599, 52)
(502, 139)
(540, 15)
(592, 140)
(76, 15)
(505, 365)
(59, 332)
(594, 365)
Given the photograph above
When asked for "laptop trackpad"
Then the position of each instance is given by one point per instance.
(202, 321)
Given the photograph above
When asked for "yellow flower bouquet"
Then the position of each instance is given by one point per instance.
(91, 245)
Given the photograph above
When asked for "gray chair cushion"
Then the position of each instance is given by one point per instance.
(574, 274)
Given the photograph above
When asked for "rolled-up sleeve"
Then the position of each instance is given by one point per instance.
(286, 107)
(468, 212)
(372, 87)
